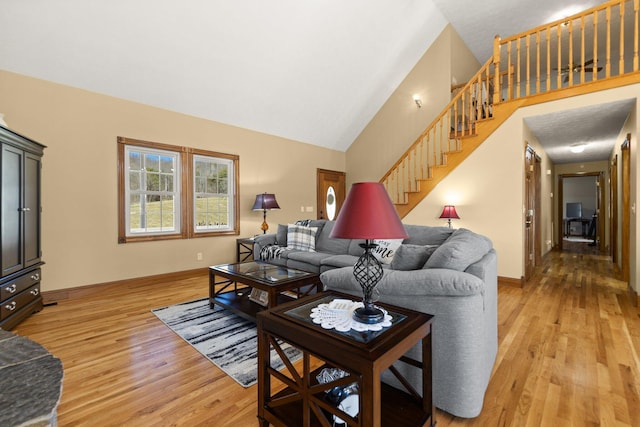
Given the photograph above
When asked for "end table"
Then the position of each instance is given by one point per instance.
(363, 356)
(244, 248)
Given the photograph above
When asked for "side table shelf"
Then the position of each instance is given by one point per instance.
(363, 356)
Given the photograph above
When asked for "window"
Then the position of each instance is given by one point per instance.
(171, 192)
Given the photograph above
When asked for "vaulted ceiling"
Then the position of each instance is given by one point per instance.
(312, 71)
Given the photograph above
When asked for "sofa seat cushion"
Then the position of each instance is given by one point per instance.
(339, 261)
(431, 282)
(462, 249)
(312, 258)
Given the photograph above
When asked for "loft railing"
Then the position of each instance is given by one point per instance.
(597, 44)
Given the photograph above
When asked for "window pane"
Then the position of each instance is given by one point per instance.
(134, 161)
(135, 217)
(212, 185)
(152, 162)
(134, 181)
(166, 183)
(166, 164)
(201, 185)
(167, 210)
(153, 181)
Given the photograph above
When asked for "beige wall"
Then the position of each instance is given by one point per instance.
(399, 122)
(79, 197)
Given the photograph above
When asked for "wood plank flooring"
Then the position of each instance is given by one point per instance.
(568, 356)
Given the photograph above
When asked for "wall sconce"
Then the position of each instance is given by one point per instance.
(417, 100)
(449, 212)
(263, 203)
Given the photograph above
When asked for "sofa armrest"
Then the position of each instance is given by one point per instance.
(260, 241)
(427, 282)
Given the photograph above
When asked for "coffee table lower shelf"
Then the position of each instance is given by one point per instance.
(238, 301)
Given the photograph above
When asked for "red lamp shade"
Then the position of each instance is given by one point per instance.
(368, 213)
(449, 211)
(265, 201)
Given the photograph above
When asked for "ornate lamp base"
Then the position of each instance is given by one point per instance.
(368, 315)
(368, 273)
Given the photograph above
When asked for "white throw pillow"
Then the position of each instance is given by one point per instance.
(301, 238)
(386, 249)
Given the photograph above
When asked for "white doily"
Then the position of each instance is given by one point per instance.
(338, 315)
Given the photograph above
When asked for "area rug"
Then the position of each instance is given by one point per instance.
(227, 340)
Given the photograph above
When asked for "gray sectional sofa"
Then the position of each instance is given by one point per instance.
(451, 274)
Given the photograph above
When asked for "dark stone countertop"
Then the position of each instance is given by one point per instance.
(30, 382)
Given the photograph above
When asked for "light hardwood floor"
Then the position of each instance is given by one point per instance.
(569, 346)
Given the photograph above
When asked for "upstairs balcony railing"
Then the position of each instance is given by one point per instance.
(597, 44)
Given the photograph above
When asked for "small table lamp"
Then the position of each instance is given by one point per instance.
(265, 202)
(449, 212)
(368, 213)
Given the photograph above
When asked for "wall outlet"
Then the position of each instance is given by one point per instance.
(199, 256)
(301, 208)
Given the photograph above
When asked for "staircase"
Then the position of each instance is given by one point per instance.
(590, 51)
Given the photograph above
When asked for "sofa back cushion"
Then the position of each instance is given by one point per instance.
(329, 245)
(426, 235)
(411, 257)
(462, 249)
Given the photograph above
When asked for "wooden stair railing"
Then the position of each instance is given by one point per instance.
(551, 58)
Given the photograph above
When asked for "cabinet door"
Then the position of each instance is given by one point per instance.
(31, 210)
(11, 210)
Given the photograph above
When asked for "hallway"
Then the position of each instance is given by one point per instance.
(568, 348)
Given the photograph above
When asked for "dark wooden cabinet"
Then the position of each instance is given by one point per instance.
(20, 227)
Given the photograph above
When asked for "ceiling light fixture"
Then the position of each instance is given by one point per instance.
(417, 100)
(577, 148)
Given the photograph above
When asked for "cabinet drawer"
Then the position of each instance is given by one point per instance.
(13, 287)
(13, 305)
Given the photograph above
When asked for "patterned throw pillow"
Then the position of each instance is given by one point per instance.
(386, 249)
(301, 238)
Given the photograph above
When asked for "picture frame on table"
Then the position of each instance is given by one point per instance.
(259, 296)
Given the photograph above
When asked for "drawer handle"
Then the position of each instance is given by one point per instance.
(34, 292)
(35, 276)
(11, 306)
(11, 289)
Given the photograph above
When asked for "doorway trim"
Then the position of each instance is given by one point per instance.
(599, 203)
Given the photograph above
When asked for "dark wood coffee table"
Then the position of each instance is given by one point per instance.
(362, 355)
(240, 280)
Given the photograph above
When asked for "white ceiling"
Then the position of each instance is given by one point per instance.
(314, 71)
(595, 126)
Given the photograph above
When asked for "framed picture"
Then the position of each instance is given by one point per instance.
(259, 296)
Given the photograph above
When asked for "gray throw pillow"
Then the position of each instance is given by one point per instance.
(411, 257)
(281, 235)
(462, 249)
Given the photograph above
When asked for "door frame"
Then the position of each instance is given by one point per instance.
(335, 176)
(532, 241)
(599, 203)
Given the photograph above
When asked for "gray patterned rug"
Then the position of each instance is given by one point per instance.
(227, 340)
